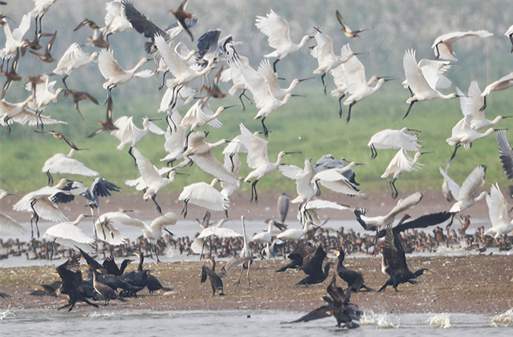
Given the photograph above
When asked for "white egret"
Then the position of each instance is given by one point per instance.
(151, 177)
(114, 74)
(62, 163)
(421, 88)
(472, 104)
(115, 19)
(272, 79)
(40, 9)
(183, 74)
(499, 215)
(219, 231)
(398, 165)
(175, 141)
(326, 58)
(17, 113)
(258, 159)
(277, 30)
(44, 94)
(503, 83)
(69, 235)
(129, 134)
(309, 210)
(199, 151)
(382, 221)
(294, 234)
(394, 139)
(463, 134)
(305, 187)
(204, 195)
(443, 44)
(433, 71)
(234, 74)
(14, 39)
(73, 59)
(467, 195)
(267, 236)
(200, 114)
(38, 203)
(7, 224)
(357, 87)
(335, 180)
(264, 99)
(445, 184)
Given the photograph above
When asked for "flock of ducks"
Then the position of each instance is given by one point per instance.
(184, 141)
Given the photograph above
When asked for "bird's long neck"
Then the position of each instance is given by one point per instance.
(216, 144)
(138, 65)
(481, 196)
(123, 266)
(487, 133)
(303, 41)
(71, 153)
(80, 217)
(141, 260)
(269, 227)
(327, 269)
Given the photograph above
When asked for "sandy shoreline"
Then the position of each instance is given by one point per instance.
(468, 284)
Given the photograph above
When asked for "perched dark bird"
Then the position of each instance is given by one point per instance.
(106, 292)
(342, 311)
(72, 283)
(345, 28)
(80, 96)
(108, 125)
(47, 56)
(112, 267)
(354, 279)
(297, 256)
(152, 283)
(215, 280)
(4, 295)
(283, 206)
(181, 16)
(394, 262)
(47, 289)
(312, 266)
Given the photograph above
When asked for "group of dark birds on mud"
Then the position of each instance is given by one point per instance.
(107, 281)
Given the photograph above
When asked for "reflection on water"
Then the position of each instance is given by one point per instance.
(83, 322)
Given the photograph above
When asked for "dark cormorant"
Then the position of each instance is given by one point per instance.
(312, 266)
(152, 283)
(106, 292)
(341, 309)
(215, 280)
(354, 279)
(394, 262)
(297, 256)
(71, 283)
(47, 289)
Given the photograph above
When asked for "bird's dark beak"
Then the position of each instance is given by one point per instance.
(305, 79)
(387, 78)
(168, 231)
(504, 117)
(292, 152)
(427, 152)
(414, 130)
(281, 78)
(295, 95)
(154, 119)
(360, 164)
(184, 174)
(230, 106)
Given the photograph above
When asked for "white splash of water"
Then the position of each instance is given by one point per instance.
(505, 318)
(5, 314)
(440, 320)
(380, 320)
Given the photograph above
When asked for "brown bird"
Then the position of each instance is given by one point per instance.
(108, 125)
(345, 28)
(34, 44)
(34, 81)
(180, 15)
(47, 56)
(11, 75)
(80, 96)
(98, 41)
(214, 90)
(89, 23)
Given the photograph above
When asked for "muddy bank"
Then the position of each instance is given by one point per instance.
(469, 284)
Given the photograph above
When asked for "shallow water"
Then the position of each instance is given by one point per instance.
(239, 323)
(190, 228)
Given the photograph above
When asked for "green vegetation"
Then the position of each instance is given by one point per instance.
(307, 124)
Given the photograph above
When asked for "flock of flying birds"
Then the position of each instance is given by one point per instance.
(184, 141)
